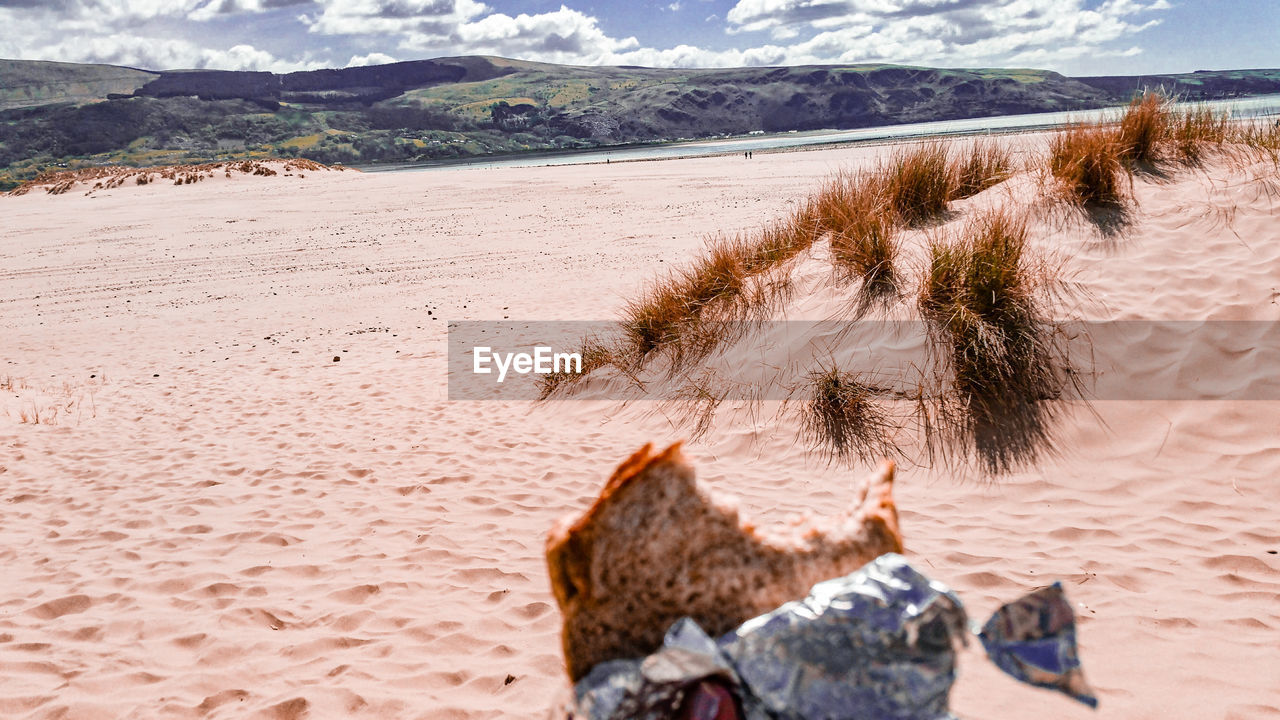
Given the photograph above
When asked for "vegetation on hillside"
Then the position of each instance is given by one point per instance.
(62, 115)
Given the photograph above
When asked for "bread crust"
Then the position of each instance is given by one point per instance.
(655, 547)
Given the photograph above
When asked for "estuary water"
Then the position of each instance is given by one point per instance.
(1252, 107)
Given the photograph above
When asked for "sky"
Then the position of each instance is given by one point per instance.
(1074, 37)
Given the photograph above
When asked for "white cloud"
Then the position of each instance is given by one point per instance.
(209, 9)
(769, 32)
(393, 17)
(688, 56)
(565, 36)
(800, 31)
(562, 36)
(757, 15)
(944, 31)
(169, 54)
(134, 33)
(376, 58)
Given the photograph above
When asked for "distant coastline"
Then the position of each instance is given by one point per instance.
(800, 141)
(463, 111)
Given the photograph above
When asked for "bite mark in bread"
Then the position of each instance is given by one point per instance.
(655, 547)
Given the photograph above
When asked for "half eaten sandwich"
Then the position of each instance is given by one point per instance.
(656, 546)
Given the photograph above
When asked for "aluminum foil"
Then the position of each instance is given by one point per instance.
(1033, 639)
(878, 643)
(656, 687)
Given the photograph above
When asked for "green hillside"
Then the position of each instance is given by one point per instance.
(59, 114)
(28, 83)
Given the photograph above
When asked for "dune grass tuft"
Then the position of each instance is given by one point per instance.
(1088, 163)
(694, 309)
(986, 164)
(917, 182)
(1153, 130)
(985, 297)
(842, 417)
(1193, 131)
(981, 298)
(663, 312)
(978, 287)
(1144, 129)
(855, 210)
(1261, 136)
(1091, 160)
(595, 355)
(776, 244)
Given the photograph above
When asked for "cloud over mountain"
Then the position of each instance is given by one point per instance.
(297, 34)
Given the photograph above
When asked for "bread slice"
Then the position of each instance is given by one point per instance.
(655, 547)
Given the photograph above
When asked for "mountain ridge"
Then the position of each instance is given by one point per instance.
(54, 114)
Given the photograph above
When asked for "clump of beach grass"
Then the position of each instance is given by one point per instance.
(986, 164)
(1193, 131)
(983, 299)
(843, 418)
(1153, 130)
(978, 287)
(776, 244)
(52, 403)
(1092, 162)
(1087, 162)
(863, 225)
(732, 282)
(1144, 129)
(595, 354)
(695, 309)
(671, 304)
(917, 182)
(1261, 136)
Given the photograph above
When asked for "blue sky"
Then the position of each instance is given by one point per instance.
(1075, 37)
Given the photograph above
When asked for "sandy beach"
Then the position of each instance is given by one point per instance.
(250, 496)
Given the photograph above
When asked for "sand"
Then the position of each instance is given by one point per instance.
(253, 498)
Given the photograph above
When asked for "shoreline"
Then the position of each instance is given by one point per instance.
(762, 144)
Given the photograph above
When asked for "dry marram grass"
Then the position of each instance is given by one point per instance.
(986, 164)
(855, 210)
(842, 417)
(986, 301)
(107, 177)
(1087, 162)
(918, 182)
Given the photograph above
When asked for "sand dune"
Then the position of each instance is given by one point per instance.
(261, 504)
(110, 177)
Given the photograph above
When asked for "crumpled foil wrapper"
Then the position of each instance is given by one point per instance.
(1033, 639)
(653, 688)
(878, 643)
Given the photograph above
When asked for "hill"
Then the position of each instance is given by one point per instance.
(32, 83)
(58, 114)
(1199, 85)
